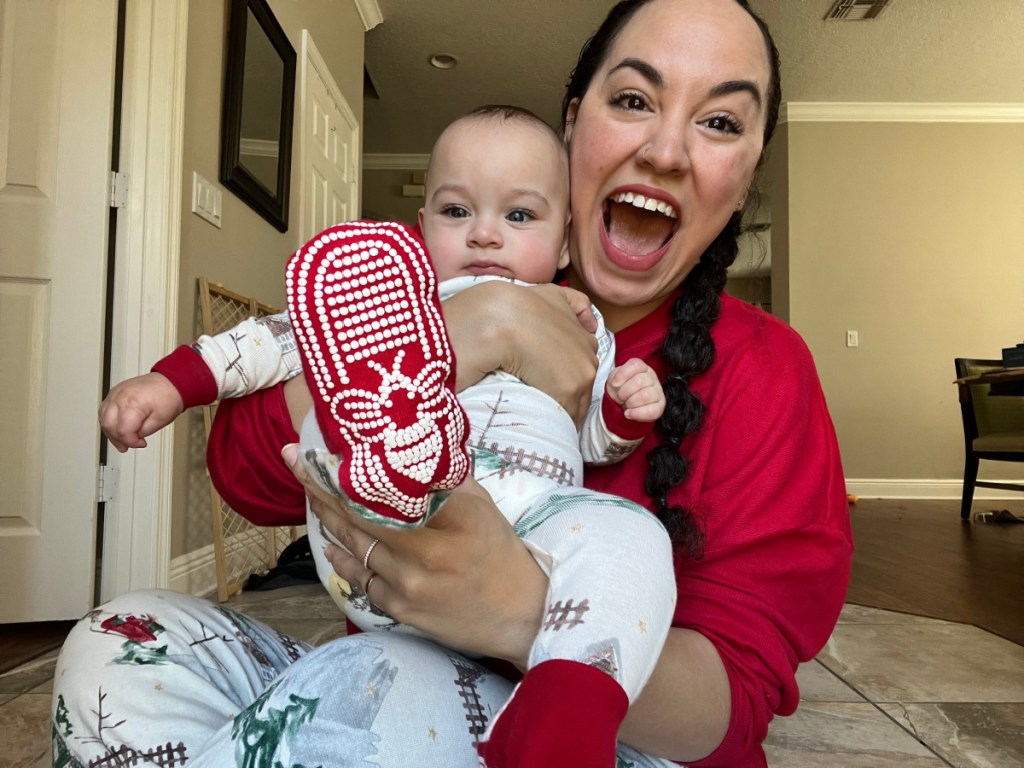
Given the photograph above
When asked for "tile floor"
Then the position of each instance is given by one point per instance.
(888, 690)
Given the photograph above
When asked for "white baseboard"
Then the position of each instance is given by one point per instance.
(194, 573)
(923, 489)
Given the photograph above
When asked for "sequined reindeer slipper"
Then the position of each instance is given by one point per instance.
(364, 305)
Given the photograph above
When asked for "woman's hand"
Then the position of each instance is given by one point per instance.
(464, 577)
(542, 334)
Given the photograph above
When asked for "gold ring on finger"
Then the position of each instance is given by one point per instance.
(369, 549)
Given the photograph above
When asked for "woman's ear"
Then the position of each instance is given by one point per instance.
(570, 119)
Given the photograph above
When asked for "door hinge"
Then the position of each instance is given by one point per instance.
(107, 480)
(118, 190)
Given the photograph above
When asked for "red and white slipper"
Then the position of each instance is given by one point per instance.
(364, 305)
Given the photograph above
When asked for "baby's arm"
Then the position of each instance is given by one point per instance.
(254, 355)
(627, 400)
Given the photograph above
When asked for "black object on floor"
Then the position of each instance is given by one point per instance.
(294, 566)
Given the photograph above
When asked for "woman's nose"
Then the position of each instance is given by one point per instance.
(666, 150)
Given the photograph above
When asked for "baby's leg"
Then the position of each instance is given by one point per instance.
(367, 318)
(610, 604)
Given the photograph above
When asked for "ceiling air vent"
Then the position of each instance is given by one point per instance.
(856, 10)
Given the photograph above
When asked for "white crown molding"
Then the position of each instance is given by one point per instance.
(397, 162)
(892, 112)
(370, 13)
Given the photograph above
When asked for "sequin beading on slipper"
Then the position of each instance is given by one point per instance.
(376, 356)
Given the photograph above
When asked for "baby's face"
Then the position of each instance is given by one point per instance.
(497, 201)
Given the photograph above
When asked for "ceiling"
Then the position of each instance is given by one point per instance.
(520, 51)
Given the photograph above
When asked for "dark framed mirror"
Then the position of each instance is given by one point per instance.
(259, 99)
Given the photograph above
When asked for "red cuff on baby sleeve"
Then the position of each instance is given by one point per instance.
(619, 425)
(188, 372)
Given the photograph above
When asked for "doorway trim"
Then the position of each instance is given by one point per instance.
(137, 529)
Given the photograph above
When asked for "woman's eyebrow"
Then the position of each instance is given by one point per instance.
(641, 66)
(736, 86)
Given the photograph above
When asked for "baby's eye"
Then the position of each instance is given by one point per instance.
(455, 212)
(724, 124)
(520, 216)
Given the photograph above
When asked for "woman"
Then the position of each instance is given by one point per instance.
(672, 100)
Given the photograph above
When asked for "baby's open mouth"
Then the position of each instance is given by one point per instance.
(639, 225)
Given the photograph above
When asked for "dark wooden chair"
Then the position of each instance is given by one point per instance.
(993, 428)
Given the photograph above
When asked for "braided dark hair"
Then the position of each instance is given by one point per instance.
(688, 347)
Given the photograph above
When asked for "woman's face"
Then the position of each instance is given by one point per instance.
(673, 120)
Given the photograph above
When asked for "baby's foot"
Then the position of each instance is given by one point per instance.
(367, 318)
(561, 713)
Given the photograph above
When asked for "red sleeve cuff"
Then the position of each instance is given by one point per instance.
(188, 372)
(616, 421)
(742, 743)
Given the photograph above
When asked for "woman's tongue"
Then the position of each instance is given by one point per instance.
(636, 232)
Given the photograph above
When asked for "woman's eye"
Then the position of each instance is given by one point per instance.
(454, 212)
(724, 124)
(519, 216)
(633, 102)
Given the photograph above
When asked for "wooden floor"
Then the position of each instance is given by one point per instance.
(918, 557)
(23, 642)
(910, 556)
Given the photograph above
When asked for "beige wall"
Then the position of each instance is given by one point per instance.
(774, 180)
(382, 196)
(913, 235)
(247, 254)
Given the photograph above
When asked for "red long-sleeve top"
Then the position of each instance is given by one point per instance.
(767, 485)
(765, 482)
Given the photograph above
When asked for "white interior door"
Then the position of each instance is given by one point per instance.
(56, 90)
(329, 154)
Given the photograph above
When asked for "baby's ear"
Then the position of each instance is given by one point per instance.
(563, 256)
(419, 218)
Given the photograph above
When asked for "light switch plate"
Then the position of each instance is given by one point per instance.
(206, 200)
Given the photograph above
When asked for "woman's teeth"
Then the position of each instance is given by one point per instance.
(647, 203)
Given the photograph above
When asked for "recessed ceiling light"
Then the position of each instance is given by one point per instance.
(443, 61)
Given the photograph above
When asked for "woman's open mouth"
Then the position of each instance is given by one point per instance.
(638, 228)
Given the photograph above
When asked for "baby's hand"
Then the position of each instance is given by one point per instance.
(635, 387)
(138, 407)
